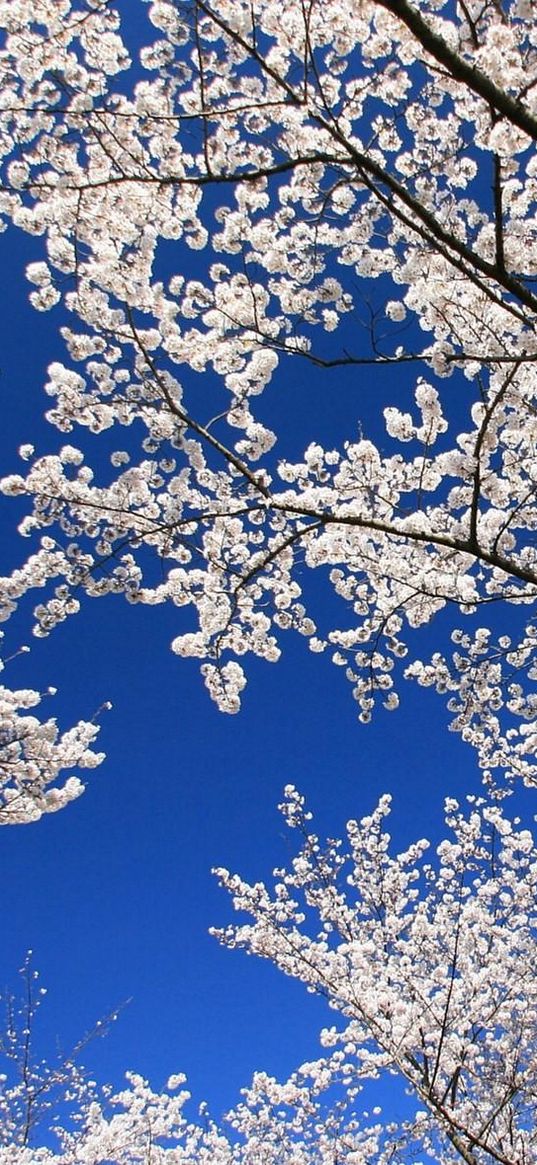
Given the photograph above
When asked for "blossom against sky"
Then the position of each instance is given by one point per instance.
(114, 895)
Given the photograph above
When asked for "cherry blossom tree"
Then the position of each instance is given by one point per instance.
(353, 185)
(429, 963)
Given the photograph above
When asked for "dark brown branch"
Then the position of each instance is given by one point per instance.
(498, 215)
(489, 412)
(432, 538)
(461, 70)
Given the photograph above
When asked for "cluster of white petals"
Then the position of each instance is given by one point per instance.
(274, 1122)
(34, 757)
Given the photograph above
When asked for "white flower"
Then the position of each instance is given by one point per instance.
(395, 310)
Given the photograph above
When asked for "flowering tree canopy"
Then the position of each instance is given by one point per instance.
(430, 963)
(297, 158)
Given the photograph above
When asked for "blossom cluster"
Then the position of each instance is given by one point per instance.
(34, 756)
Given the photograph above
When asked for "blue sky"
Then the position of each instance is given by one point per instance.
(115, 895)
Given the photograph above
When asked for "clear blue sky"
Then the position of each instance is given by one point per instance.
(115, 895)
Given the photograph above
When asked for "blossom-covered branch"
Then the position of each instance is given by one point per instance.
(307, 159)
(34, 757)
(429, 961)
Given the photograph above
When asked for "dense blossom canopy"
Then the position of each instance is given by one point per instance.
(300, 154)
